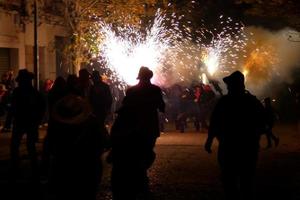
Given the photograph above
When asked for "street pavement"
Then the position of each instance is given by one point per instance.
(184, 171)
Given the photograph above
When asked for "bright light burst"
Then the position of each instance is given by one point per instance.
(211, 60)
(170, 50)
(127, 52)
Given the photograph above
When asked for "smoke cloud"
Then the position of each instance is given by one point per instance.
(271, 59)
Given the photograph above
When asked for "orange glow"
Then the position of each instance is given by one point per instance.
(258, 64)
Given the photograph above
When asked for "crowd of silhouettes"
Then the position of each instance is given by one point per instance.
(77, 109)
(76, 134)
(193, 103)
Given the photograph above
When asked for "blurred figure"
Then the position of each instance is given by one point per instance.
(198, 92)
(84, 82)
(100, 98)
(72, 85)
(237, 122)
(78, 143)
(45, 91)
(134, 134)
(9, 82)
(270, 120)
(3, 95)
(206, 104)
(186, 107)
(28, 109)
(57, 91)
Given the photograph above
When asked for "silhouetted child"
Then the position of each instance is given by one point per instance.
(270, 119)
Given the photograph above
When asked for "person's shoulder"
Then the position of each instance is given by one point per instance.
(224, 98)
(155, 87)
(251, 97)
(131, 89)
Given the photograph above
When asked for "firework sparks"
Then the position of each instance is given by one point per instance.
(127, 52)
(170, 51)
(211, 60)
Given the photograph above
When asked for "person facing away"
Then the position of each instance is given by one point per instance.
(237, 122)
(77, 143)
(84, 82)
(57, 91)
(100, 98)
(28, 109)
(270, 120)
(134, 134)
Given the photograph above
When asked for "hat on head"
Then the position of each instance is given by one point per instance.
(71, 109)
(145, 73)
(24, 75)
(236, 78)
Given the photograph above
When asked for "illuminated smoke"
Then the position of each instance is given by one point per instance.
(177, 56)
(271, 58)
(170, 50)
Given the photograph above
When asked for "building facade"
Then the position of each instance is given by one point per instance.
(17, 38)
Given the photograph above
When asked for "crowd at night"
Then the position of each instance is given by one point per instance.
(149, 99)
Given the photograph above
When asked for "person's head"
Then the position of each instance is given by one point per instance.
(48, 84)
(145, 74)
(96, 76)
(59, 83)
(24, 77)
(72, 79)
(71, 109)
(72, 85)
(10, 73)
(235, 82)
(84, 75)
(267, 101)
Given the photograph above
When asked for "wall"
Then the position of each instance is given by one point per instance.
(12, 36)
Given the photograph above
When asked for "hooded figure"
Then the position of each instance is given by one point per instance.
(237, 122)
(134, 134)
(77, 142)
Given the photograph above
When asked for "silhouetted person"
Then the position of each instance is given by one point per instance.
(134, 134)
(206, 103)
(100, 98)
(84, 82)
(237, 122)
(270, 120)
(47, 85)
(28, 108)
(77, 142)
(57, 91)
(72, 85)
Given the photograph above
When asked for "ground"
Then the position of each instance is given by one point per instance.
(184, 171)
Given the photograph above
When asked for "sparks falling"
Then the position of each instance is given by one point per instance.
(169, 50)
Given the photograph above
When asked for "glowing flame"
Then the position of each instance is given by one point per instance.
(211, 60)
(204, 78)
(259, 64)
